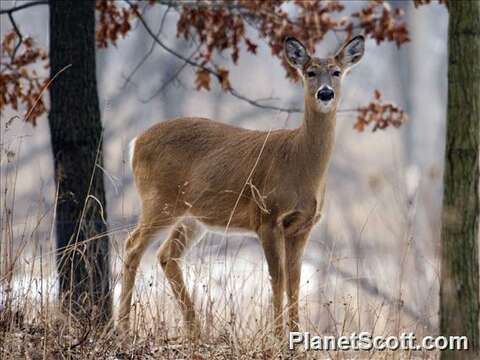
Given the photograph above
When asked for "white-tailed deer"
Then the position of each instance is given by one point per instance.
(192, 172)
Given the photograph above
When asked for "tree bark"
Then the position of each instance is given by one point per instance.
(459, 287)
(83, 261)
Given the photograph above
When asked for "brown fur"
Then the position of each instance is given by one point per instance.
(192, 170)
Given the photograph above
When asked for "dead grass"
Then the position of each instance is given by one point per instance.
(33, 327)
(230, 287)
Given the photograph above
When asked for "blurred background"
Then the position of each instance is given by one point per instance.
(373, 259)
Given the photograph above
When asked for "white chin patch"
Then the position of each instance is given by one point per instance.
(324, 106)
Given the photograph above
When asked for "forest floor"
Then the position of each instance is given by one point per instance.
(233, 327)
(32, 343)
(44, 332)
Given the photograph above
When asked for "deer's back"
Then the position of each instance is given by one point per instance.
(202, 166)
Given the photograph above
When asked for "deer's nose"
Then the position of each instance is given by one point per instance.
(325, 93)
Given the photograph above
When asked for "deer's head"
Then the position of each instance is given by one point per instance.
(322, 77)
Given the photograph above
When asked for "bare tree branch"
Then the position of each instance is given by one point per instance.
(150, 51)
(19, 34)
(23, 6)
(263, 106)
(165, 47)
(208, 69)
(167, 82)
(10, 12)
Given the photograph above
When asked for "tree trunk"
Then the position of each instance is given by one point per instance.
(459, 287)
(83, 261)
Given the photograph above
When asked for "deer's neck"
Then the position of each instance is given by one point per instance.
(316, 138)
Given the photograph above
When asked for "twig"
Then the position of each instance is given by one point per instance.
(236, 94)
(167, 82)
(23, 6)
(19, 34)
(150, 51)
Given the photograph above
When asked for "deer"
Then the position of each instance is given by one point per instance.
(194, 174)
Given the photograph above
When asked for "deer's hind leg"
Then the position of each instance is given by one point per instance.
(135, 247)
(183, 235)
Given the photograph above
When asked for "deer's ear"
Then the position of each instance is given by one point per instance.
(296, 53)
(351, 53)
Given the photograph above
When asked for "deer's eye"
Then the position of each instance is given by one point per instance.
(336, 73)
(311, 74)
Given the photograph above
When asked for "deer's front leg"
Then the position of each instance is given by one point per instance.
(273, 242)
(294, 248)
